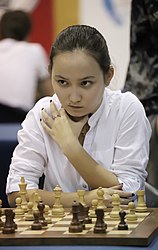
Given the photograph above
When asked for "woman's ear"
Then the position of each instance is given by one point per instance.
(109, 75)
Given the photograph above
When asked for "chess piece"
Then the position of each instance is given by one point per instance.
(36, 224)
(35, 199)
(81, 194)
(9, 226)
(0, 203)
(41, 207)
(101, 203)
(47, 217)
(29, 215)
(122, 225)
(23, 192)
(14, 224)
(100, 226)
(57, 209)
(87, 219)
(81, 215)
(114, 214)
(75, 225)
(1, 222)
(92, 213)
(141, 205)
(18, 210)
(131, 216)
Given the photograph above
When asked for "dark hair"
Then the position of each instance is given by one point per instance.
(15, 24)
(82, 37)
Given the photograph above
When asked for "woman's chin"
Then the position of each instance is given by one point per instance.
(75, 118)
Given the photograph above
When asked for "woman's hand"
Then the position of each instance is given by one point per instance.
(125, 197)
(60, 127)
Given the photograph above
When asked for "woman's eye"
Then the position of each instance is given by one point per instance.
(86, 83)
(62, 82)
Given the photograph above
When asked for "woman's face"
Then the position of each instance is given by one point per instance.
(78, 81)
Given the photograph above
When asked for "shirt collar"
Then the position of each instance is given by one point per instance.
(103, 109)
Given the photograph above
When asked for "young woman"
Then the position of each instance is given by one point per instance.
(86, 135)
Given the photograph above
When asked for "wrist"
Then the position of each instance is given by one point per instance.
(70, 146)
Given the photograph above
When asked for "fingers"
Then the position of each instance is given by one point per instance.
(118, 187)
(54, 111)
(62, 112)
(125, 201)
(46, 118)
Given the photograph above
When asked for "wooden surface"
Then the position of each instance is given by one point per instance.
(142, 235)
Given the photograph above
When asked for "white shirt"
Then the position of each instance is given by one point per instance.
(22, 65)
(118, 139)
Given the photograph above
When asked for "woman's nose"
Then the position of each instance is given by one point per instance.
(75, 96)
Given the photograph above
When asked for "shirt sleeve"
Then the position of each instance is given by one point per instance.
(29, 157)
(132, 145)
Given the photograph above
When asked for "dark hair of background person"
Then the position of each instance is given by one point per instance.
(82, 37)
(15, 24)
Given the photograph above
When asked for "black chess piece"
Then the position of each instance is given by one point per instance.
(14, 224)
(87, 219)
(36, 224)
(100, 225)
(42, 220)
(75, 225)
(9, 226)
(122, 225)
(81, 215)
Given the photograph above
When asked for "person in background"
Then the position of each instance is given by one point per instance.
(23, 67)
(142, 74)
(85, 136)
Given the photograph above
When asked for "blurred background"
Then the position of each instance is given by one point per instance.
(110, 17)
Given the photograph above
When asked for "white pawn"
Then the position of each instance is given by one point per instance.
(81, 194)
(57, 209)
(131, 216)
(29, 215)
(18, 210)
(46, 212)
(116, 206)
(92, 213)
(101, 203)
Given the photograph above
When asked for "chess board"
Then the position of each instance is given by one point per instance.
(140, 233)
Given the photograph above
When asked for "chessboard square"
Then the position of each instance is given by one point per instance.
(88, 226)
(112, 223)
(122, 232)
(55, 219)
(109, 228)
(83, 232)
(32, 232)
(62, 222)
(94, 220)
(24, 223)
(20, 229)
(69, 216)
(91, 229)
(57, 229)
(132, 226)
(142, 215)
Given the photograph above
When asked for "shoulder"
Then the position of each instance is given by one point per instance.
(33, 47)
(45, 103)
(124, 102)
(34, 115)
